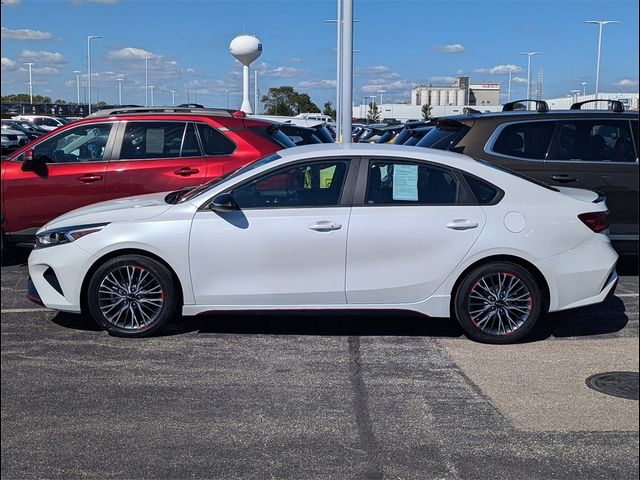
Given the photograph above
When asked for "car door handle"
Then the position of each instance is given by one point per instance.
(461, 224)
(90, 178)
(186, 171)
(564, 178)
(325, 226)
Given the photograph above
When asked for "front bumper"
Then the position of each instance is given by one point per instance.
(32, 293)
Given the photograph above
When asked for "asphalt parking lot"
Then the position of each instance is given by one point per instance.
(313, 396)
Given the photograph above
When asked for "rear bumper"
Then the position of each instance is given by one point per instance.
(582, 276)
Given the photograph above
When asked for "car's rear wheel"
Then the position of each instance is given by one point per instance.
(132, 296)
(498, 303)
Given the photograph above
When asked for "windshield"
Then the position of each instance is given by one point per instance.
(184, 195)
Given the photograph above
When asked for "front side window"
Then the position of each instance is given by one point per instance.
(594, 141)
(147, 140)
(525, 140)
(407, 183)
(85, 143)
(315, 184)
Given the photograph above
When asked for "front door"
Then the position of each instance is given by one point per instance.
(285, 245)
(410, 233)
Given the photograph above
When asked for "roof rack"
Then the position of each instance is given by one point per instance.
(541, 105)
(615, 105)
(108, 112)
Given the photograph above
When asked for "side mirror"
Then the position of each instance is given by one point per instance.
(223, 202)
(29, 161)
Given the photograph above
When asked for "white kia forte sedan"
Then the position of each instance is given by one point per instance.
(334, 227)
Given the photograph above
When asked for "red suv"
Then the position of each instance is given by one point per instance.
(129, 151)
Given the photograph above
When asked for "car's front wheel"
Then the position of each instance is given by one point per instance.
(498, 303)
(132, 296)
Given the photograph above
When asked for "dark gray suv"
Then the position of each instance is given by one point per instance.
(592, 149)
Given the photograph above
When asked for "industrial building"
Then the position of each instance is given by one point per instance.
(462, 92)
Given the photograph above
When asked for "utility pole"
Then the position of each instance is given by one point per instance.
(347, 71)
(601, 23)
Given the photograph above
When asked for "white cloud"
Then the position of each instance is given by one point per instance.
(295, 60)
(24, 34)
(453, 48)
(626, 83)
(129, 53)
(398, 86)
(375, 70)
(41, 56)
(11, 2)
(283, 72)
(442, 79)
(499, 69)
(328, 84)
(45, 71)
(8, 64)
(519, 80)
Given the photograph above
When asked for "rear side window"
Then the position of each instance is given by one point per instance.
(594, 141)
(146, 140)
(525, 140)
(407, 183)
(485, 193)
(214, 142)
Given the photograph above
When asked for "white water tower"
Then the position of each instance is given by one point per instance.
(246, 48)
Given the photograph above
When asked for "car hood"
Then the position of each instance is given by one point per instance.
(125, 209)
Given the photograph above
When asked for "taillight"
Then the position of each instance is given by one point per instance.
(596, 221)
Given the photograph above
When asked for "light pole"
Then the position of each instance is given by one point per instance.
(601, 23)
(119, 80)
(152, 87)
(89, 38)
(146, 81)
(255, 92)
(77, 72)
(381, 92)
(173, 98)
(226, 90)
(509, 91)
(30, 64)
(575, 95)
(584, 88)
(529, 55)
(338, 23)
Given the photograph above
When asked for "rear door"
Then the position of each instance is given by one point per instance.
(411, 224)
(599, 154)
(155, 156)
(70, 173)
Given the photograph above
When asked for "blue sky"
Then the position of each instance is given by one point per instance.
(400, 44)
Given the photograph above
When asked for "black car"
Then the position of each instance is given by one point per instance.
(592, 149)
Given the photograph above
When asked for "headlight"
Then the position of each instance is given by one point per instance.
(59, 236)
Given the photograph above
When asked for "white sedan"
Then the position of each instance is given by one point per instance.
(334, 227)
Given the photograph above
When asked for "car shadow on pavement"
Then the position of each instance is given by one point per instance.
(605, 318)
(15, 256)
(305, 322)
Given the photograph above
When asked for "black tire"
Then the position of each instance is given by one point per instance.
(132, 296)
(498, 303)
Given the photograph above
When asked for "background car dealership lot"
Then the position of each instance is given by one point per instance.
(315, 396)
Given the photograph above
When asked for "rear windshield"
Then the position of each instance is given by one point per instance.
(443, 136)
(275, 135)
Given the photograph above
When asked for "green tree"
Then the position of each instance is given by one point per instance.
(101, 104)
(59, 101)
(329, 110)
(24, 98)
(286, 101)
(373, 114)
(426, 111)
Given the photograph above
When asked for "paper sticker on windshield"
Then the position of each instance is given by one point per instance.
(155, 140)
(405, 182)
